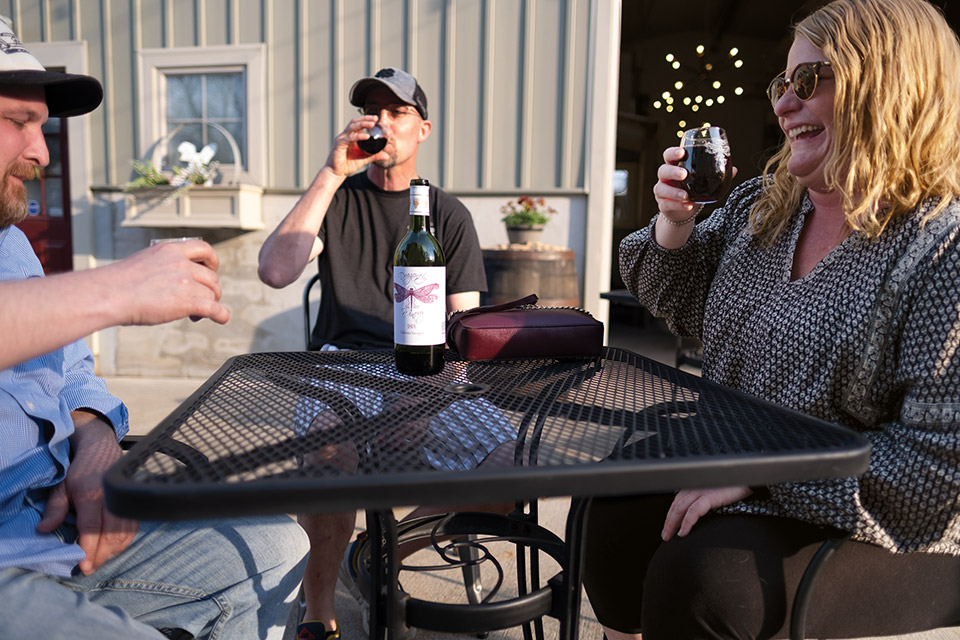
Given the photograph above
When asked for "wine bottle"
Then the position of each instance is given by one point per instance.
(419, 292)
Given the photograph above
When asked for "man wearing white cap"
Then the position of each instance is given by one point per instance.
(68, 567)
(351, 218)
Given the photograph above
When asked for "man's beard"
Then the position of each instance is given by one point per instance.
(389, 163)
(13, 195)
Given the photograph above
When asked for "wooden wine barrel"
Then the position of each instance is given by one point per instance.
(514, 273)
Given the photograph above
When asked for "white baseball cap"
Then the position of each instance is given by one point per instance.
(67, 94)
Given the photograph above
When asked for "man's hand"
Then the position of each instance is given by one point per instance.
(101, 534)
(691, 504)
(346, 158)
(159, 284)
(287, 250)
(167, 282)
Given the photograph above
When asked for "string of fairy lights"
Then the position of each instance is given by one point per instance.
(700, 86)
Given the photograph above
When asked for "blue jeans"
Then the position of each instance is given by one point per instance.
(229, 580)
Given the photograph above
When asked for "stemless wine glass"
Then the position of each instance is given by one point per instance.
(154, 241)
(375, 143)
(707, 161)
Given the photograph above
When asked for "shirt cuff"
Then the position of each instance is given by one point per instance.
(106, 405)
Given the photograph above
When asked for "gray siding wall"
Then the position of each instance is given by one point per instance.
(511, 87)
(506, 79)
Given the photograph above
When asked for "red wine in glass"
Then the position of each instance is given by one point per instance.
(375, 143)
(707, 161)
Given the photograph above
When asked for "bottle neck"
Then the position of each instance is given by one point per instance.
(419, 205)
(418, 223)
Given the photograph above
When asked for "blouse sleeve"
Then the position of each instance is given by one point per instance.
(673, 283)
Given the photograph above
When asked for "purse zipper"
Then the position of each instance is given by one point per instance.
(525, 307)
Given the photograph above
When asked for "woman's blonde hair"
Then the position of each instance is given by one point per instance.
(896, 115)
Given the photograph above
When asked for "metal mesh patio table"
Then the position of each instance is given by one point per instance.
(256, 439)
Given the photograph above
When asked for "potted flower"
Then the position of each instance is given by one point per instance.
(525, 218)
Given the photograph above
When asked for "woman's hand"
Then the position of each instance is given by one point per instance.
(691, 504)
(677, 212)
(672, 201)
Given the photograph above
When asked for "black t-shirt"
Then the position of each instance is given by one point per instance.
(360, 233)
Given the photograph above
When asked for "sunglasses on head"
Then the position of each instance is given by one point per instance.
(803, 80)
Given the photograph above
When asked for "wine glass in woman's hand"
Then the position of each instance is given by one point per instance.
(707, 161)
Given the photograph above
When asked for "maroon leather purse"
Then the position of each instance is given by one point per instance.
(521, 329)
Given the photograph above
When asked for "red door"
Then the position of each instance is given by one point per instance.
(48, 200)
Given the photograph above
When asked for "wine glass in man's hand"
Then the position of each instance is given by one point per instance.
(375, 143)
(707, 161)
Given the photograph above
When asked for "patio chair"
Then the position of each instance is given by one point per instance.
(801, 603)
(798, 615)
(307, 325)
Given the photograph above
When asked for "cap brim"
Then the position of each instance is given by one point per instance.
(360, 89)
(67, 94)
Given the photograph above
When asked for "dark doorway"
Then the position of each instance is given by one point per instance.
(48, 223)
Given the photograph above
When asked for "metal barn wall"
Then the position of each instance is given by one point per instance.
(506, 79)
(522, 94)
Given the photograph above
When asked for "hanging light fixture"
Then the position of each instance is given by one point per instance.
(704, 83)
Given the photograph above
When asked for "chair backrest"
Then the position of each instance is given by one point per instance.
(307, 325)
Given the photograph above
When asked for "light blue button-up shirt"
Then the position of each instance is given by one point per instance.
(36, 398)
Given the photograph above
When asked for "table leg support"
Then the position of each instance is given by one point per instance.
(528, 578)
(387, 615)
(567, 592)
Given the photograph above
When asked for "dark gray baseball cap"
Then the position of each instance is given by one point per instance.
(402, 84)
(67, 94)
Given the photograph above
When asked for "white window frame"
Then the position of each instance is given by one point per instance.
(154, 64)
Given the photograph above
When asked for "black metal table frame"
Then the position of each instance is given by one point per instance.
(392, 610)
(390, 607)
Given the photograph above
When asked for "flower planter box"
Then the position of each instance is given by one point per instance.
(231, 206)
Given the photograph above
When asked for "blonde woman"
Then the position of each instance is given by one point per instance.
(830, 285)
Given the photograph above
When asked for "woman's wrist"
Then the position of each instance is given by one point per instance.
(673, 234)
(685, 221)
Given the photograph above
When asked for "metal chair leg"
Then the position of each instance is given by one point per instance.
(798, 617)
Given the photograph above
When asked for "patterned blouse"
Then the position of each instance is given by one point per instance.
(868, 339)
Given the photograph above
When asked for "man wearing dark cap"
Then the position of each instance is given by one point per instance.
(68, 567)
(353, 219)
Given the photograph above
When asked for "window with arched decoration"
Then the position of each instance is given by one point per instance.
(205, 95)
